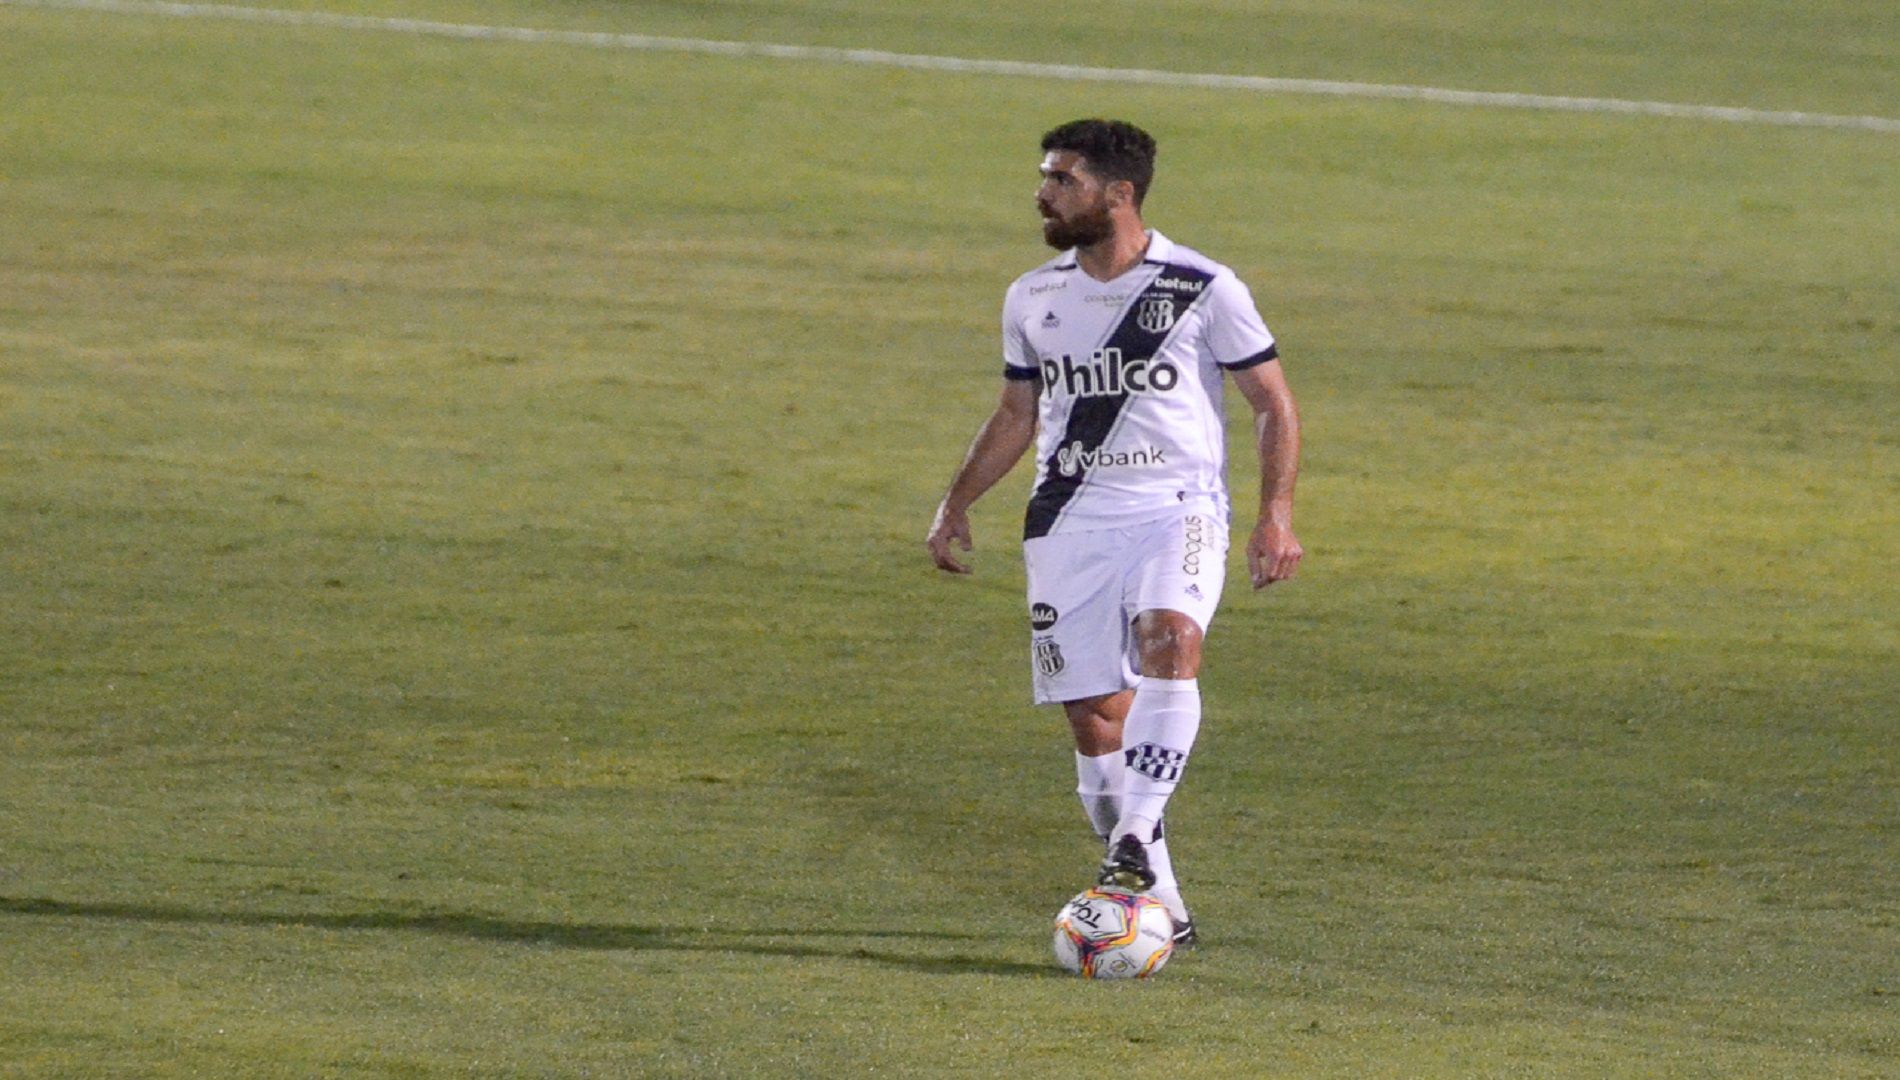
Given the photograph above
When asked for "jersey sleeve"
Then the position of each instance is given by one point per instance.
(1236, 336)
(1019, 360)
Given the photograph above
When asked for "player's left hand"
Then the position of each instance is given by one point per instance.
(1273, 553)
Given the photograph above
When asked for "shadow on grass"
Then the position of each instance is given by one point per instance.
(787, 943)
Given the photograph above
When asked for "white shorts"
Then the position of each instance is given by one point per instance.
(1085, 589)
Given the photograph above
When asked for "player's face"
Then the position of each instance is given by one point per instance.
(1072, 201)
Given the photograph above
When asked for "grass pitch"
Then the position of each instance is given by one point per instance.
(464, 614)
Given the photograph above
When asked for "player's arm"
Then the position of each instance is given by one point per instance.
(998, 445)
(1273, 553)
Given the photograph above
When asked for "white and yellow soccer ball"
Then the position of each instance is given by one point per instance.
(1111, 934)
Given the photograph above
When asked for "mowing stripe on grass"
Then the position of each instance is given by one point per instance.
(875, 57)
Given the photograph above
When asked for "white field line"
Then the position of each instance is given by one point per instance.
(878, 58)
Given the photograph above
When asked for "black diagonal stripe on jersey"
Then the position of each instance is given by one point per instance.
(1092, 419)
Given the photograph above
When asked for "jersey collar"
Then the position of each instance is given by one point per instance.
(1160, 253)
(1160, 249)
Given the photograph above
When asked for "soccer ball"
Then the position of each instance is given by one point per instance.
(1111, 934)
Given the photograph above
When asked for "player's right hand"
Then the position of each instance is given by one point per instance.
(949, 526)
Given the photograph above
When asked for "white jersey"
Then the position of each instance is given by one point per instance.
(1130, 424)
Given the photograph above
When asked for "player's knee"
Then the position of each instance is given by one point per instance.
(1097, 722)
(1170, 644)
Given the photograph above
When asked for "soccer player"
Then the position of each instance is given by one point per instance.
(1112, 360)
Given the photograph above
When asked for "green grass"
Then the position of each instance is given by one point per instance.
(463, 609)
(1824, 55)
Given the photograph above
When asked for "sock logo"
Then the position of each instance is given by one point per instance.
(1156, 762)
(1041, 616)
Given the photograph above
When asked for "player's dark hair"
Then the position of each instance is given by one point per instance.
(1113, 150)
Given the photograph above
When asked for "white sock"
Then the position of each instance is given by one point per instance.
(1156, 739)
(1170, 897)
(1098, 783)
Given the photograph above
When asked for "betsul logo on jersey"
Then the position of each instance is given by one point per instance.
(1179, 284)
(1106, 374)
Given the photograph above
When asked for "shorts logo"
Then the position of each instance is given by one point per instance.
(1156, 314)
(1049, 657)
(1041, 616)
(1193, 543)
(1194, 591)
(1156, 762)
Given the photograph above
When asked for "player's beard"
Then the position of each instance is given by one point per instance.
(1087, 227)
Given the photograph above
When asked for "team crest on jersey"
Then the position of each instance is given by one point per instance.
(1049, 656)
(1156, 314)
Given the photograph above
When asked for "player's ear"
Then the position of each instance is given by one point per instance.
(1121, 193)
